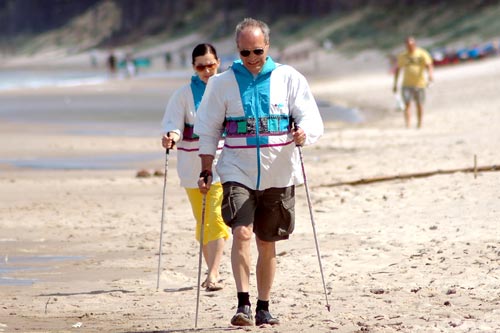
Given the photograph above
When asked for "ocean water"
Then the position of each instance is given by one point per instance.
(130, 114)
(15, 79)
(32, 79)
(100, 114)
(15, 265)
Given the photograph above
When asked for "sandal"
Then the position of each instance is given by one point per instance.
(213, 286)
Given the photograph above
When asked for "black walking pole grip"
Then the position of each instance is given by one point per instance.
(205, 174)
(295, 127)
(167, 151)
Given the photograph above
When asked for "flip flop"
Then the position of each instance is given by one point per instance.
(213, 286)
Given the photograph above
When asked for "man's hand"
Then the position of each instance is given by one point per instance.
(204, 181)
(299, 136)
(168, 140)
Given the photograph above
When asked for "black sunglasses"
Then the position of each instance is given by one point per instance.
(246, 53)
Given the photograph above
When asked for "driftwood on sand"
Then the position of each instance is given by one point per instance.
(363, 181)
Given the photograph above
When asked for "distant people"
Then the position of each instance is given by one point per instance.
(168, 59)
(178, 132)
(414, 62)
(130, 66)
(183, 59)
(111, 63)
(93, 59)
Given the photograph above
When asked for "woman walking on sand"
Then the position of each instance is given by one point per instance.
(177, 126)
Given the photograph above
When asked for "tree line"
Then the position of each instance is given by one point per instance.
(35, 16)
(137, 18)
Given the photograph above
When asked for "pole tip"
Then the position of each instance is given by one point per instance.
(328, 307)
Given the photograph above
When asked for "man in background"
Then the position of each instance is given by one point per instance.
(414, 62)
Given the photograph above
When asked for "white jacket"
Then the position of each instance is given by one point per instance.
(179, 118)
(255, 113)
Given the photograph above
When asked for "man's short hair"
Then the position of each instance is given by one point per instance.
(253, 23)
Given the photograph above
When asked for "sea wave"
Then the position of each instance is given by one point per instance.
(19, 79)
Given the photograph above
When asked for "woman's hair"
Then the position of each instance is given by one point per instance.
(202, 49)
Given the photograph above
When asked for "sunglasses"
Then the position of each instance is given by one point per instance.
(246, 53)
(201, 68)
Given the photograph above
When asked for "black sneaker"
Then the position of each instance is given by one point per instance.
(243, 316)
(264, 317)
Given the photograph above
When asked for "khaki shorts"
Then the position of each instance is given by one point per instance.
(271, 211)
(412, 93)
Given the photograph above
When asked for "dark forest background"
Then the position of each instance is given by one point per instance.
(377, 23)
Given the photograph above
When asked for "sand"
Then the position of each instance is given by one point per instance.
(407, 255)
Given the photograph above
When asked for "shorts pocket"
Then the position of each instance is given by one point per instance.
(228, 211)
(286, 223)
(229, 206)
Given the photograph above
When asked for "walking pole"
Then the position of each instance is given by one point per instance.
(202, 231)
(313, 226)
(162, 215)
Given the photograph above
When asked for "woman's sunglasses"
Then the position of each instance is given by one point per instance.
(246, 53)
(201, 68)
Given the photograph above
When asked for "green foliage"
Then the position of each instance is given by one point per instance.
(350, 25)
(386, 28)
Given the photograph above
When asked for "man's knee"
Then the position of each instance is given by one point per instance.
(242, 233)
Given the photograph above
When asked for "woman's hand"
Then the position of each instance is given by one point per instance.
(168, 140)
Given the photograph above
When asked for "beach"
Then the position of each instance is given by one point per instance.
(79, 232)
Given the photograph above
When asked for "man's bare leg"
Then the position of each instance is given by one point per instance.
(420, 113)
(240, 262)
(266, 268)
(407, 115)
(240, 257)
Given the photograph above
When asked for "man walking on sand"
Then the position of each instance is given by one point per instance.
(414, 62)
(254, 103)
